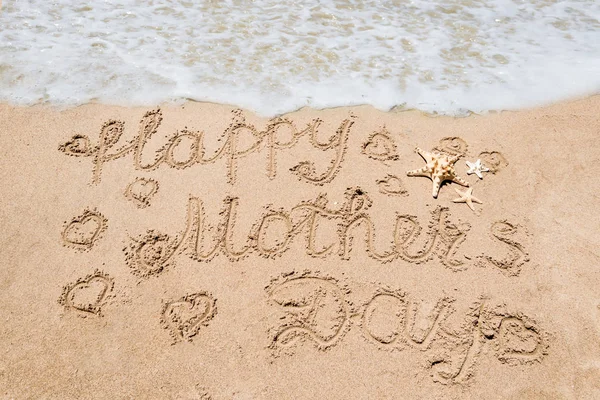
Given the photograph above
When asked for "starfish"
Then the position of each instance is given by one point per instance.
(477, 168)
(467, 197)
(439, 168)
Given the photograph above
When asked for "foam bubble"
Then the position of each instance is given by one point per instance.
(272, 57)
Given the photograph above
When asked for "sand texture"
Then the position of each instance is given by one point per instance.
(202, 252)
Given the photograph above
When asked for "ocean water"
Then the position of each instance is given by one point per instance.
(446, 57)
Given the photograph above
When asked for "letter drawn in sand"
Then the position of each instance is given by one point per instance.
(380, 146)
(82, 232)
(353, 215)
(236, 146)
(390, 317)
(141, 191)
(421, 339)
(110, 133)
(80, 146)
(384, 318)
(87, 295)
(306, 170)
(513, 236)
(195, 151)
(458, 351)
(267, 242)
(442, 238)
(516, 339)
(148, 127)
(392, 186)
(452, 145)
(313, 309)
(494, 160)
(276, 140)
(185, 317)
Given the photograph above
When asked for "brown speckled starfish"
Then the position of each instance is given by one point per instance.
(439, 168)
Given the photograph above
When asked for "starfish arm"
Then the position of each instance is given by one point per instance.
(478, 173)
(460, 181)
(419, 172)
(453, 159)
(437, 181)
(467, 197)
(484, 169)
(470, 204)
(424, 154)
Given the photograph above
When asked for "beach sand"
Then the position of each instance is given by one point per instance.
(198, 251)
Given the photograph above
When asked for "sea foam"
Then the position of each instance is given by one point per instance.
(442, 56)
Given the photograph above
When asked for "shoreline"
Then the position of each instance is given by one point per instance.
(394, 109)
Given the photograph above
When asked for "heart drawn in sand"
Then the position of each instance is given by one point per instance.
(494, 160)
(186, 316)
(518, 338)
(380, 146)
(78, 146)
(392, 185)
(453, 145)
(141, 191)
(87, 294)
(83, 231)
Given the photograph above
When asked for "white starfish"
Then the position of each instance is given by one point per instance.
(467, 197)
(477, 168)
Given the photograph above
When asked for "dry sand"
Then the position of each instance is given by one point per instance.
(205, 252)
